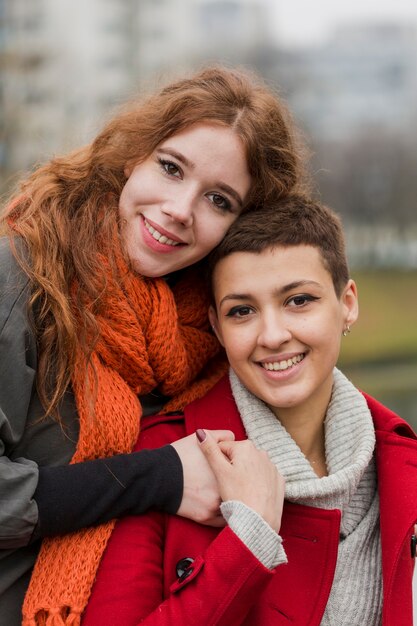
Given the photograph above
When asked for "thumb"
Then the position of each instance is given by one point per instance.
(229, 449)
(222, 435)
(211, 450)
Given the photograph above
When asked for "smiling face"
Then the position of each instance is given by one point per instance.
(280, 321)
(177, 205)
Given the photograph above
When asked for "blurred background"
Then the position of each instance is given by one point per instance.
(348, 73)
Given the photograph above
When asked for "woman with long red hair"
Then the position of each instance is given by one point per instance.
(101, 323)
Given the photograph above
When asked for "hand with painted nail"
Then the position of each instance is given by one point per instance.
(201, 497)
(246, 474)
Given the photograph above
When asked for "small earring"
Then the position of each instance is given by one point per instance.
(346, 331)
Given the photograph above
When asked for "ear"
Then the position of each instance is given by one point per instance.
(212, 315)
(128, 170)
(350, 303)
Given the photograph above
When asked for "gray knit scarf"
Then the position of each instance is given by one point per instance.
(351, 486)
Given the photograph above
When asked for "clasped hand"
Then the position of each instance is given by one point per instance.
(220, 469)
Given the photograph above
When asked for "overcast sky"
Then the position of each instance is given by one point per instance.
(299, 21)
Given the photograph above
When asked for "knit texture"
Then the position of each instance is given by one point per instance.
(150, 336)
(356, 595)
(255, 533)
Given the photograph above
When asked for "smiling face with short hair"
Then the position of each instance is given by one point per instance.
(279, 318)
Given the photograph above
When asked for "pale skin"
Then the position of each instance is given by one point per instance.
(175, 208)
(177, 204)
(201, 498)
(246, 474)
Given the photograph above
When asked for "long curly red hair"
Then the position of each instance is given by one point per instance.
(66, 211)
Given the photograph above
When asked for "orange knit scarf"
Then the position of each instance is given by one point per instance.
(151, 336)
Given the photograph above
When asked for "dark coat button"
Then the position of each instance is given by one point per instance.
(183, 568)
(413, 546)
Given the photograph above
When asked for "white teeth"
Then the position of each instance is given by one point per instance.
(283, 365)
(161, 238)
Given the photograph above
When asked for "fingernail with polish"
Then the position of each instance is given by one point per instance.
(201, 434)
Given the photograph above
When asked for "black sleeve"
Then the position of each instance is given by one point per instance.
(76, 496)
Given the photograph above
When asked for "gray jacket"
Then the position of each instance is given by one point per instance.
(40, 495)
(24, 442)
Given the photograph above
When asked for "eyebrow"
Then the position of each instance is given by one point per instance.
(177, 155)
(183, 159)
(279, 292)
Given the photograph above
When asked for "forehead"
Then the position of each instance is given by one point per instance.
(273, 268)
(204, 134)
(213, 151)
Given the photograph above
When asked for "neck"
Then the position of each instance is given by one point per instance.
(305, 425)
(308, 434)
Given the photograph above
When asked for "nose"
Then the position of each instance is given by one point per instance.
(181, 207)
(274, 331)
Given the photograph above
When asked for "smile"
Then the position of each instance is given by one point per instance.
(158, 236)
(282, 365)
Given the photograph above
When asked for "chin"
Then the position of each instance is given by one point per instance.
(281, 403)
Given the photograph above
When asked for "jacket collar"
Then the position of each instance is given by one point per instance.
(226, 414)
(396, 460)
(386, 420)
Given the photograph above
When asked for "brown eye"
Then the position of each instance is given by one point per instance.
(239, 311)
(170, 168)
(219, 201)
(301, 300)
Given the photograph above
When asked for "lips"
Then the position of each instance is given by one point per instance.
(161, 237)
(280, 366)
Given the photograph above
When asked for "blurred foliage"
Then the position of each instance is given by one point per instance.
(370, 177)
(380, 354)
(387, 326)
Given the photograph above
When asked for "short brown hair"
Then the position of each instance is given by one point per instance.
(294, 221)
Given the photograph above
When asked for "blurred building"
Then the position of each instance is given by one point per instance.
(363, 77)
(2, 86)
(64, 66)
(163, 38)
(232, 30)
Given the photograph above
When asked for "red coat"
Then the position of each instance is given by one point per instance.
(226, 585)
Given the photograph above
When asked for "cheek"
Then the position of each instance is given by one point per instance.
(212, 229)
(127, 238)
(322, 330)
(328, 341)
(124, 200)
(136, 186)
(238, 344)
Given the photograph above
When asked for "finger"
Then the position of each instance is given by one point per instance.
(212, 452)
(230, 448)
(222, 435)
